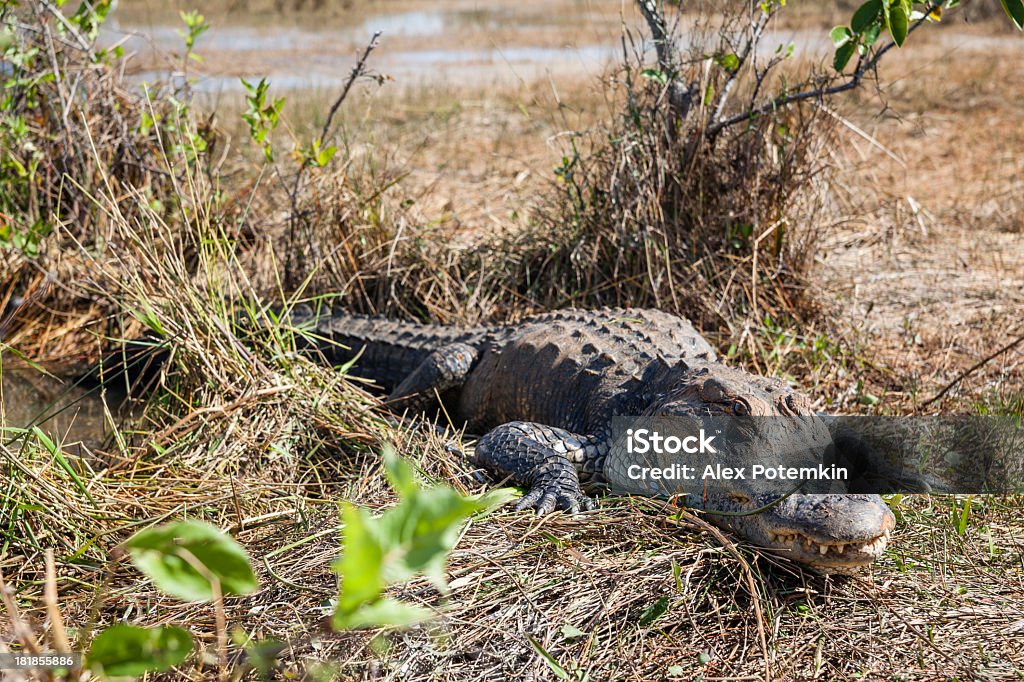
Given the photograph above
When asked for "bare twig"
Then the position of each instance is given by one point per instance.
(973, 368)
(61, 643)
(678, 95)
(757, 28)
(659, 33)
(24, 302)
(748, 574)
(357, 72)
(79, 38)
(19, 628)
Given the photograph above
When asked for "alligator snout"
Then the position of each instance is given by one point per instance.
(833, 533)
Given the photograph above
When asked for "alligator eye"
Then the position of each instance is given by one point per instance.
(740, 408)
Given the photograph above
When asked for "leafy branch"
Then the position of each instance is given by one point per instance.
(412, 538)
(899, 18)
(865, 65)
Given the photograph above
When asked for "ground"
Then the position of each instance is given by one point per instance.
(919, 277)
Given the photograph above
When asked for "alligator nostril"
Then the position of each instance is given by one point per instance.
(739, 498)
(796, 403)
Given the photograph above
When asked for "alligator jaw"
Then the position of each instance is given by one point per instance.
(829, 556)
(831, 533)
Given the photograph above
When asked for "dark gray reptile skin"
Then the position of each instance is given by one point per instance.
(544, 390)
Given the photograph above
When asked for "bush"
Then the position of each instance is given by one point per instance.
(660, 210)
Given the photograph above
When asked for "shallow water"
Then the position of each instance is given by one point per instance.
(453, 42)
(417, 48)
(499, 44)
(70, 415)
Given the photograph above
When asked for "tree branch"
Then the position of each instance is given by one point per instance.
(678, 95)
(751, 46)
(863, 68)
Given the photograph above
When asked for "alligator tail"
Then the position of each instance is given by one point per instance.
(384, 350)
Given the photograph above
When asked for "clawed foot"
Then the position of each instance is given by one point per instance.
(538, 456)
(547, 496)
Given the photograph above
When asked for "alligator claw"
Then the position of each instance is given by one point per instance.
(545, 498)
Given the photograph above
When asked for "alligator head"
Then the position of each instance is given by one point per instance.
(767, 423)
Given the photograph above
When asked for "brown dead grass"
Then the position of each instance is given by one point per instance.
(938, 606)
(926, 269)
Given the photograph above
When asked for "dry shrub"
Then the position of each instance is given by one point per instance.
(124, 228)
(648, 210)
(71, 126)
(94, 167)
(377, 255)
(656, 211)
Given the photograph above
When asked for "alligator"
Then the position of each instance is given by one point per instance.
(543, 391)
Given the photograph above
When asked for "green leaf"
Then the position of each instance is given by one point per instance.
(870, 37)
(1015, 10)
(842, 56)
(412, 538)
(840, 36)
(149, 318)
(262, 655)
(655, 75)
(129, 651)
(730, 62)
(961, 515)
(400, 473)
(866, 15)
(550, 660)
(183, 558)
(383, 612)
(675, 670)
(361, 563)
(325, 155)
(654, 611)
(420, 531)
(571, 632)
(62, 461)
(899, 24)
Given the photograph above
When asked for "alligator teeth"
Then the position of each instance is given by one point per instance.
(786, 539)
(874, 546)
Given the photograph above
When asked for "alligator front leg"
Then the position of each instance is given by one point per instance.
(443, 370)
(546, 460)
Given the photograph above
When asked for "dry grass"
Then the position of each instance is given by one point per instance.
(921, 270)
(938, 606)
(247, 435)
